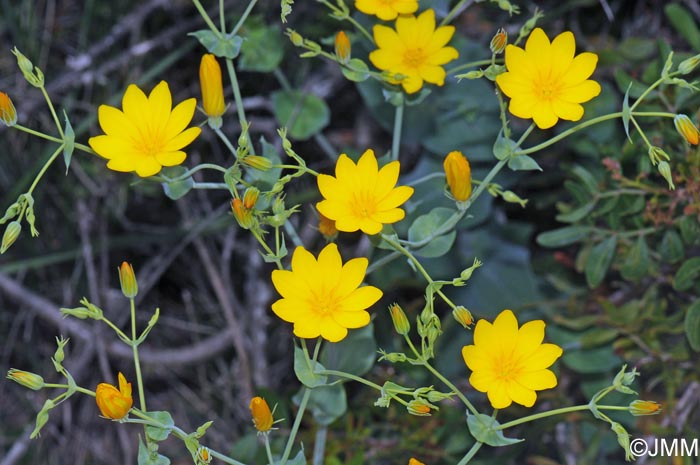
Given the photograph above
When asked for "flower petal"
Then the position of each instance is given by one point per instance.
(520, 394)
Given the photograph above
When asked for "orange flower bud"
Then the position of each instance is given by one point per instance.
(243, 215)
(212, 88)
(398, 317)
(250, 197)
(463, 316)
(644, 407)
(419, 407)
(687, 129)
(342, 47)
(127, 280)
(113, 403)
(326, 226)
(8, 114)
(262, 417)
(458, 175)
(499, 41)
(26, 379)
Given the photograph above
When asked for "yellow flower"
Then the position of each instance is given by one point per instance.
(362, 196)
(459, 175)
(510, 364)
(212, 88)
(413, 461)
(323, 297)
(687, 129)
(114, 403)
(148, 134)
(127, 280)
(8, 114)
(262, 417)
(416, 50)
(342, 47)
(545, 81)
(387, 10)
(25, 378)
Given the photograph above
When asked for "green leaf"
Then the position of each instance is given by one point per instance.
(632, 87)
(482, 428)
(145, 457)
(356, 70)
(327, 403)
(687, 274)
(176, 189)
(684, 22)
(298, 459)
(503, 148)
(636, 263)
(307, 370)
(523, 163)
(692, 325)
(262, 50)
(577, 214)
(424, 226)
(587, 179)
(690, 231)
(68, 142)
(599, 360)
(355, 354)
(226, 47)
(671, 248)
(563, 236)
(157, 433)
(599, 261)
(303, 114)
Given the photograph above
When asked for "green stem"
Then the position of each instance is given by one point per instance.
(227, 142)
(471, 453)
(525, 134)
(342, 374)
(137, 364)
(190, 172)
(471, 64)
(53, 112)
(267, 248)
(238, 99)
(44, 168)
(648, 91)
(357, 25)
(210, 185)
(119, 332)
(244, 17)
(453, 12)
(268, 451)
(37, 133)
(222, 17)
(559, 411)
(207, 19)
(398, 123)
(65, 386)
(295, 426)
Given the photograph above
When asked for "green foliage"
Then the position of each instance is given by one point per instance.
(302, 113)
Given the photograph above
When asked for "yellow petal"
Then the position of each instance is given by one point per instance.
(389, 216)
(425, 25)
(171, 158)
(520, 395)
(351, 276)
(442, 56)
(580, 69)
(182, 139)
(538, 380)
(160, 103)
(433, 74)
(530, 336)
(385, 59)
(289, 309)
(180, 117)
(582, 92)
(562, 49)
(412, 84)
(110, 146)
(123, 164)
(567, 111)
(482, 381)
(114, 123)
(361, 299)
(543, 115)
(439, 39)
(498, 396)
(519, 63)
(332, 331)
(290, 285)
(538, 51)
(352, 319)
(386, 37)
(308, 328)
(347, 223)
(344, 167)
(543, 357)
(523, 107)
(147, 166)
(368, 226)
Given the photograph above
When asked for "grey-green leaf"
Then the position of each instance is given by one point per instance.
(307, 370)
(68, 142)
(599, 261)
(425, 225)
(303, 114)
(671, 248)
(687, 274)
(523, 163)
(482, 427)
(226, 47)
(692, 325)
(636, 263)
(563, 236)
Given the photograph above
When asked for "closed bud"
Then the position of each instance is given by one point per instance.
(437, 396)
(511, 197)
(398, 317)
(623, 438)
(475, 74)
(499, 41)
(326, 226)
(665, 171)
(26, 379)
(688, 65)
(458, 175)
(11, 234)
(60, 355)
(394, 357)
(262, 416)
(295, 37)
(625, 378)
(462, 316)
(203, 429)
(127, 280)
(79, 312)
(656, 154)
(32, 74)
(250, 197)
(42, 417)
(467, 274)
(644, 407)
(114, 403)
(687, 129)
(203, 456)
(243, 216)
(342, 47)
(212, 89)
(257, 162)
(8, 114)
(420, 407)
(505, 5)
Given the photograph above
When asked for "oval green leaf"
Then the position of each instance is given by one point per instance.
(425, 225)
(599, 261)
(692, 325)
(563, 236)
(687, 274)
(303, 114)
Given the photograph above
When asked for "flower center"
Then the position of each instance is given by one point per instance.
(414, 57)
(150, 143)
(547, 88)
(363, 205)
(507, 367)
(324, 302)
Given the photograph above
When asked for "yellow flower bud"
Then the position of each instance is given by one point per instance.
(8, 114)
(295, 37)
(26, 379)
(401, 323)
(458, 175)
(512, 197)
(203, 456)
(644, 407)
(257, 162)
(413, 461)
(212, 88)
(463, 316)
(689, 64)
(127, 279)
(326, 226)
(250, 197)
(342, 47)
(114, 403)
(687, 129)
(243, 215)
(262, 417)
(499, 41)
(11, 234)
(419, 407)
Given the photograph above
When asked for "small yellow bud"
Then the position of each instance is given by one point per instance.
(8, 114)
(689, 64)
(463, 316)
(512, 197)
(419, 407)
(413, 461)
(458, 175)
(212, 89)
(243, 215)
(26, 379)
(687, 129)
(262, 417)
(644, 407)
(295, 37)
(398, 317)
(203, 456)
(11, 234)
(326, 226)
(499, 41)
(257, 162)
(114, 403)
(342, 47)
(250, 197)
(127, 280)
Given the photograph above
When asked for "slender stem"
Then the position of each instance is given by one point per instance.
(289, 228)
(137, 364)
(37, 133)
(227, 142)
(53, 112)
(240, 22)
(426, 178)
(558, 411)
(648, 91)
(238, 99)
(267, 248)
(295, 426)
(225, 458)
(320, 445)
(190, 172)
(326, 146)
(210, 185)
(119, 332)
(454, 12)
(349, 18)
(398, 123)
(268, 451)
(65, 386)
(471, 64)
(222, 17)
(207, 19)
(471, 453)
(342, 374)
(44, 168)
(383, 261)
(525, 134)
